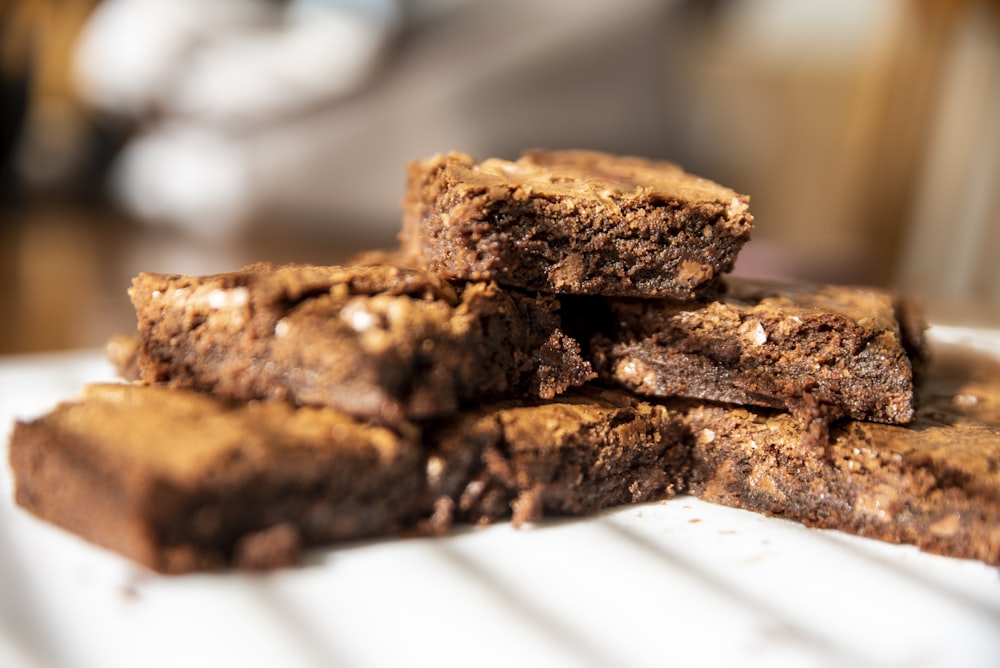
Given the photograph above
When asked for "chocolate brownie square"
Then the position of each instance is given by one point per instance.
(934, 483)
(577, 222)
(375, 341)
(823, 352)
(181, 481)
(586, 450)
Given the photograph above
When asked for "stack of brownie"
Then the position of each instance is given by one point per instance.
(555, 335)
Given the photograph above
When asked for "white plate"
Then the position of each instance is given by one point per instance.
(677, 583)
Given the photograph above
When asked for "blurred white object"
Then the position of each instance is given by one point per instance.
(254, 77)
(131, 52)
(254, 113)
(217, 71)
(229, 61)
(188, 176)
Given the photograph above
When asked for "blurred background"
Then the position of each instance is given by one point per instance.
(195, 137)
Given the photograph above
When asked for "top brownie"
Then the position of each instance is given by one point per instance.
(575, 222)
(823, 352)
(379, 342)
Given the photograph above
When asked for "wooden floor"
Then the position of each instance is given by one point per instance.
(65, 270)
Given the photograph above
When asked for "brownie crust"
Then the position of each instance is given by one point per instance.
(380, 342)
(822, 352)
(573, 222)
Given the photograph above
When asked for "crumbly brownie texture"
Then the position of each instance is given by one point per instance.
(181, 481)
(584, 451)
(934, 484)
(824, 352)
(394, 257)
(576, 222)
(122, 350)
(377, 341)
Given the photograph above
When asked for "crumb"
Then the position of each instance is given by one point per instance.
(274, 547)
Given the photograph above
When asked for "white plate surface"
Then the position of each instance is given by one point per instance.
(677, 583)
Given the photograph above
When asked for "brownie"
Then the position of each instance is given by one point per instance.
(822, 352)
(934, 483)
(573, 222)
(375, 341)
(586, 450)
(181, 481)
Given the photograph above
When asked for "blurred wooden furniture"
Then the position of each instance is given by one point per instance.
(949, 249)
(868, 136)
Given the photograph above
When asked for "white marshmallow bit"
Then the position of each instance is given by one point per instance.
(220, 299)
(759, 335)
(357, 316)
(435, 469)
(753, 332)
